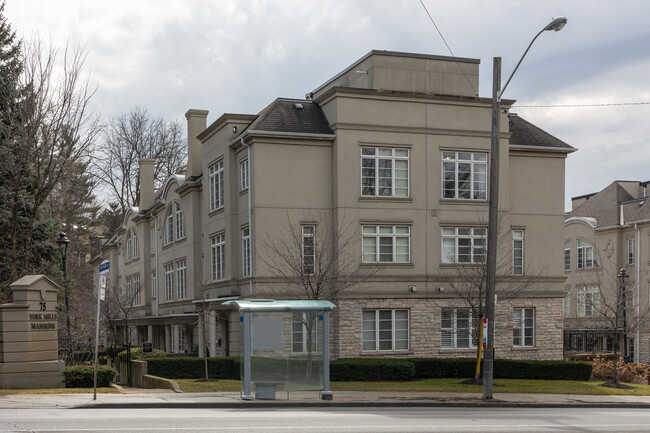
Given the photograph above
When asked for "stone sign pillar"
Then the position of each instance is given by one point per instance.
(29, 355)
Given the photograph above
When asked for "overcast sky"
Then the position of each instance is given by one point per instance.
(237, 56)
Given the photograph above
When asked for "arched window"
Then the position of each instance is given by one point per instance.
(180, 222)
(132, 251)
(169, 226)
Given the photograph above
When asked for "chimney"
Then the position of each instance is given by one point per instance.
(196, 124)
(146, 183)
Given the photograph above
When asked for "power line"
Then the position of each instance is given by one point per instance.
(582, 105)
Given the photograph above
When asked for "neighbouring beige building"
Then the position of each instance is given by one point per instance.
(392, 156)
(605, 232)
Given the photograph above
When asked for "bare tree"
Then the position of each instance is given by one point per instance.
(467, 280)
(48, 129)
(131, 137)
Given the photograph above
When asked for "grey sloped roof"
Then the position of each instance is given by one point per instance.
(524, 133)
(291, 115)
(637, 210)
(603, 206)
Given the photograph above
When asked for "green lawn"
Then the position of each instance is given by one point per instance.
(445, 385)
(108, 390)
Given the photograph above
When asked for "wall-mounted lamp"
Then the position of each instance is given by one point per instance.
(440, 289)
(413, 289)
(234, 129)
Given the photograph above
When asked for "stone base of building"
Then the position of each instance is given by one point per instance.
(32, 375)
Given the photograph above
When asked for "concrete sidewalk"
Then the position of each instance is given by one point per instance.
(141, 398)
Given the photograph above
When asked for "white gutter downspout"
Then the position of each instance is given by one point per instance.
(250, 212)
(638, 291)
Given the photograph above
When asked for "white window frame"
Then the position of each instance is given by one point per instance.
(180, 221)
(137, 292)
(376, 161)
(475, 168)
(308, 248)
(246, 251)
(243, 175)
(586, 255)
(169, 282)
(454, 239)
(181, 339)
(218, 256)
(181, 279)
(132, 251)
(154, 284)
(153, 242)
(169, 225)
(523, 327)
(566, 304)
(452, 335)
(588, 300)
(567, 256)
(396, 238)
(216, 186)
(630, 251)
(376, 324)
(518, 252)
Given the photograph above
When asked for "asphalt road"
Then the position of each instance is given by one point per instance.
(330, 420)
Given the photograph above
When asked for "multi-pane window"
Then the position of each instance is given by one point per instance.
(169, 282)
(386, 244)
(629, 296)
(518, 252)
(218, 256)
(630, 251)
(181, 279)
(587, 259)
(169, 225)
(132, 250)
(567, 304)
(464, 175)
(588, 300)
(246, 252)
(385, 330)
(463, 244)
(153, 239)
(216, 185)
(181, 339)
(384, 172)
(243, 175)
(180, 222)
(567, 256)
(302, 324)
(154, 284)
(308, 249)
(457, 330)
(523, 327)
(133, 289)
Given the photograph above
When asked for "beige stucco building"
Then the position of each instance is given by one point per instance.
(605, 232)
(392, 156)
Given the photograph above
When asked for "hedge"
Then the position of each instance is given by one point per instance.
(194, 368)
(136, 354)
(356, 369)
(542, 370)
(83, 376)
(436, 368)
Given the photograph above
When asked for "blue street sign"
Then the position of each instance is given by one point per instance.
(103, 267)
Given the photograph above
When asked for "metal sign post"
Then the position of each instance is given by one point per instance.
(101, 292)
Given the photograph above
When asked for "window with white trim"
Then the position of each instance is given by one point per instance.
(464, 244)
(386, 244)
(457, 329)
(518, 252)
(169, 282)
(243, 175)
(137, 294)
(181, 339)
(308, 249)
(132, 251)
(464, 175)
(523, 327)
(567, 256)
(215, 173)
(588, 300)
(301, 325)
(386, 330)
(154, 284)
(180, 222)
(246, 252)
(169, 226)
(567, 304)
(218, 256)
(587, 258)
(153, 241)
(384, 172)
(181, 279)
(630, 251)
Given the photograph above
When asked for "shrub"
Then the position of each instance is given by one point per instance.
(194, 368)
(114, 349)
(82, 376)
(136, 353)
(631, 372)
(434, 368)
(541, 370)
(355, 369)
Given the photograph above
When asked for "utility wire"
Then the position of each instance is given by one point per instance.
(582, 105)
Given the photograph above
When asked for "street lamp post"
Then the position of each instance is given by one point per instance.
(555, 24)
(623, 275)
(63, 242)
